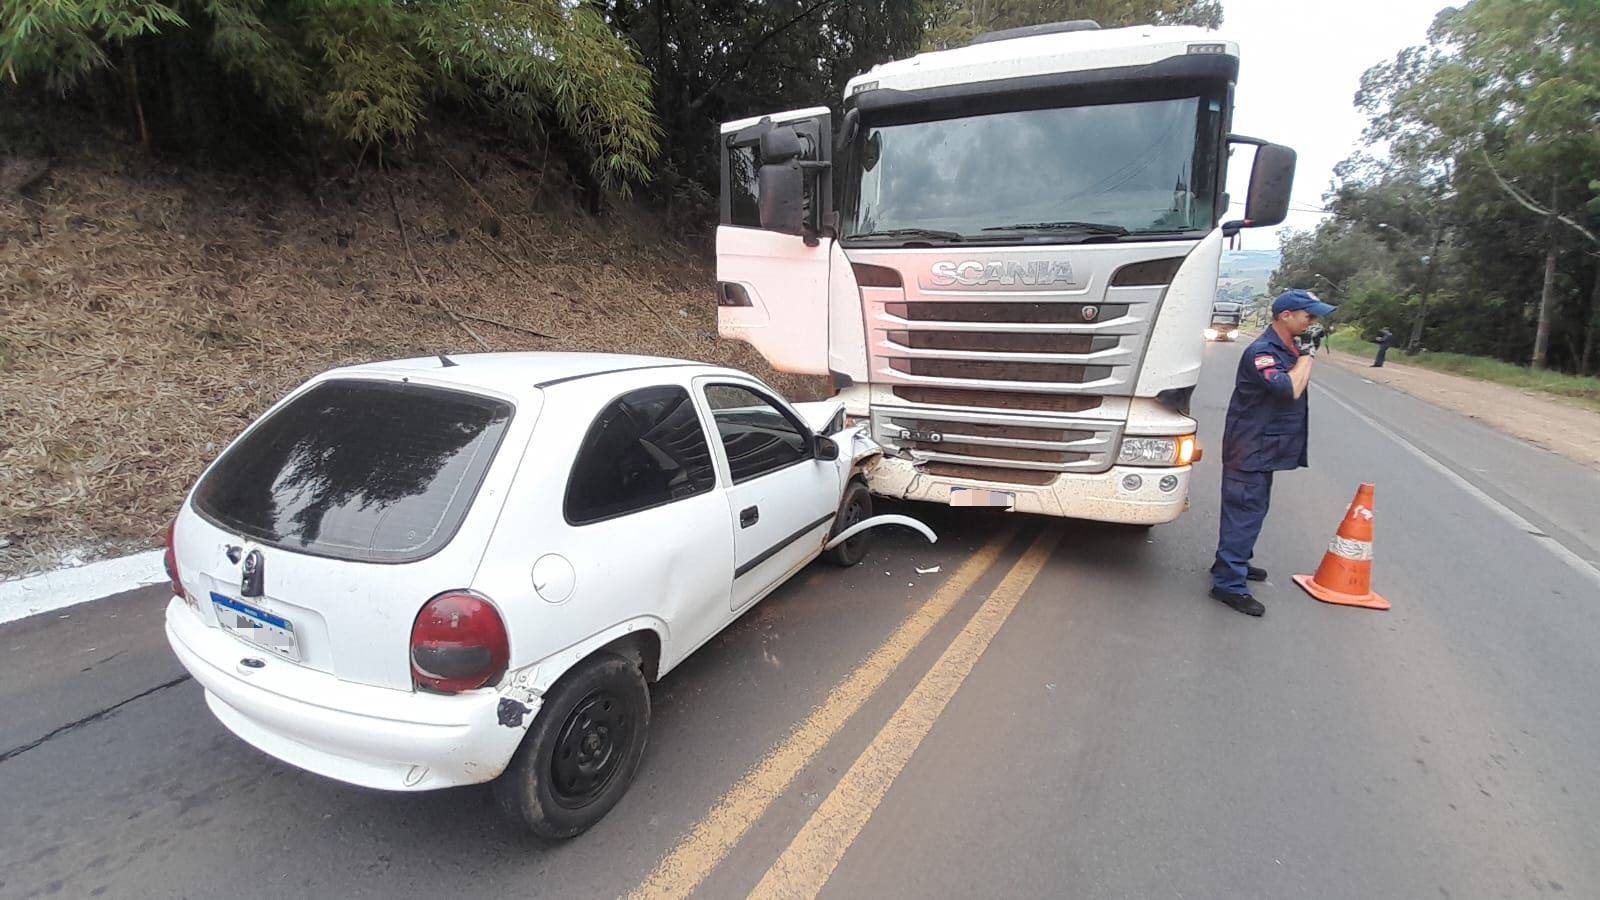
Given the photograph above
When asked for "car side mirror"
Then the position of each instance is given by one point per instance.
(824, 448)
(1271, 180)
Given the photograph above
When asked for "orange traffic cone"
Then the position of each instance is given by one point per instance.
(1345, 576)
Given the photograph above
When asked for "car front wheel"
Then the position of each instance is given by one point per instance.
(581, 752)
(856, 506)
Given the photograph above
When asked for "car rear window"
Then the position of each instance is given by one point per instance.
(371, 471)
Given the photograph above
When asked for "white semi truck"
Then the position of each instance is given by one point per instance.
(1011, 280)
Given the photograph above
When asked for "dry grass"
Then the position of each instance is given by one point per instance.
(145, 319)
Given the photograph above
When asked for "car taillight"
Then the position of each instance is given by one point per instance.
(458, 643)
(170, 561)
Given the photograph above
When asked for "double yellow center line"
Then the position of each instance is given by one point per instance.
(810, 859)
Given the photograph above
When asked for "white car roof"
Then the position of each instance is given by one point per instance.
(519, 374)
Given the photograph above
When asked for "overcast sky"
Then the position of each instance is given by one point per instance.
(1300, 62)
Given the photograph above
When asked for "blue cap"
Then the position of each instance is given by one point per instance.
(1302, 299)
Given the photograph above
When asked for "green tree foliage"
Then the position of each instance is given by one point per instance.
(1492, 175)
(716, 60)
(958, 21)
(365, 72)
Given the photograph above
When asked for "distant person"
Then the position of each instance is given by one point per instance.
(1385, 338)
(1266, 432)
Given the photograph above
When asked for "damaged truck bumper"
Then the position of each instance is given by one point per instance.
(370, 736)
(1109, 496)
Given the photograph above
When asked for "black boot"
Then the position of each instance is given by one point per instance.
(1254, 574)
(1244, 603)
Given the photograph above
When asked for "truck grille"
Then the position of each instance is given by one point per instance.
(1006, 312)
(989, 473)
(1012, 401)
(998, 440)
(983, 341)
(985, 370)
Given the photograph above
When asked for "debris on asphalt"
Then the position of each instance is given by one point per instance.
(922, 571)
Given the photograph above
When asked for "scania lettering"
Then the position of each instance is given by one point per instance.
(1003, 256)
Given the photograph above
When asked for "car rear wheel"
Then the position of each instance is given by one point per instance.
(854, 507)
(581, 752)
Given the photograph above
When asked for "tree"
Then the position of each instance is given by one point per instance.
(717, 60)
(1509, 89)
(362, 72)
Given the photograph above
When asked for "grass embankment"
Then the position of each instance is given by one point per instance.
(1575, 389)
(148, 313)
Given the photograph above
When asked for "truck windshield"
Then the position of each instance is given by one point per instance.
(1109, 172)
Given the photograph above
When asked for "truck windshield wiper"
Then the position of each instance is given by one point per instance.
(1091, 227)
(912, 232)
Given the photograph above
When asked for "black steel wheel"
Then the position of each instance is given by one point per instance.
(855, 506)
(582, 750)
(590, 747)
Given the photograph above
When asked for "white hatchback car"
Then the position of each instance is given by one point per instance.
(435, 572)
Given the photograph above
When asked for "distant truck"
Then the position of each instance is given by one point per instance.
(1006, 284)
(1224, 321)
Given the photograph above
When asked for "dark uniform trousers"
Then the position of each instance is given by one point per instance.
(1266, 432)
(1245, 497)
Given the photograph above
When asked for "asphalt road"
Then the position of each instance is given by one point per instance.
(1074, 719)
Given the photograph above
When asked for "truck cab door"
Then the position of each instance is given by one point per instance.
(773, 240)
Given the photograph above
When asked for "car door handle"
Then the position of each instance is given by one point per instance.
(749, 517)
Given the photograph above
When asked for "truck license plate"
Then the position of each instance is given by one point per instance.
(259, 627)
(980, 497)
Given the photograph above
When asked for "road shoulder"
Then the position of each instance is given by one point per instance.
(1564, 430)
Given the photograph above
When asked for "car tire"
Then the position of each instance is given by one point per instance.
(855, 506)
(582, 750)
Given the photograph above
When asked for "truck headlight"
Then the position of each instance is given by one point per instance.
(1211, 334)
(1157, 451)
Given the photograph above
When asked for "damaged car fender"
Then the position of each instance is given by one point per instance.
(525, 686)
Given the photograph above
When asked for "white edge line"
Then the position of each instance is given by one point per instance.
(50, 591)
(1562, 551)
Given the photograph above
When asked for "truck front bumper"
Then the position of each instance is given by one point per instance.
(1102, 497)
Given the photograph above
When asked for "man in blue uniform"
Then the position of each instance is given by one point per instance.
(1266, 432)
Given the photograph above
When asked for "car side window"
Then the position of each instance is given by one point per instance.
(757, 435)
(645, 449)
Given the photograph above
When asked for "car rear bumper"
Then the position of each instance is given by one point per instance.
(371, 736)
(1101, 497)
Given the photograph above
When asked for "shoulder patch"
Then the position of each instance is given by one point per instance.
(1265, 360)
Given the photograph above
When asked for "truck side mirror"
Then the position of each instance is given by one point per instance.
(782, 197)
(781, 144)
(1271, 179)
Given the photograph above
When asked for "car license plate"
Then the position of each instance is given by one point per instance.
(979, 497)
(259, 627)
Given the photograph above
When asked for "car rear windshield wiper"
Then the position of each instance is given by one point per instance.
(1091, 227)
(911, 232)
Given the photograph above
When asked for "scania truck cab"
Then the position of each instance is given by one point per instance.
(1003, 256)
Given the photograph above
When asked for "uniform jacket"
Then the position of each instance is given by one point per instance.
(1267, 425)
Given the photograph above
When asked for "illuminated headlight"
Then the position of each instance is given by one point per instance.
(1157, 451)
(1233, 334)
(1211, 334)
